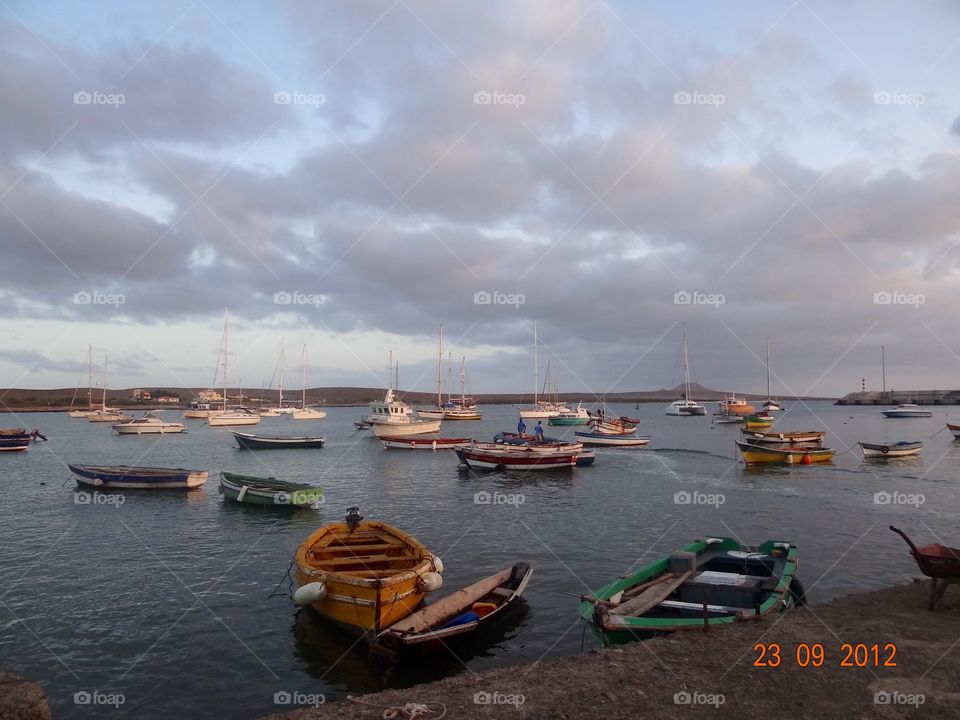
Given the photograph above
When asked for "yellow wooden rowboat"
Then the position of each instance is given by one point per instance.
(364, 575)
(788, 454)
(757, 422)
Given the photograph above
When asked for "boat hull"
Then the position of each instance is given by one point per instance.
(955, 429)
(246, 441)
(365, 601)
(14, 440)
(786, 438)
(137, 478)
(606, 440)
(229, 420)
(567, 421)
(308, 414)
(799, 455)
(418, 442)
(162, 429)
(521, 458)
(414, 427)
(268, 492)
(901, 449)
(907, 413)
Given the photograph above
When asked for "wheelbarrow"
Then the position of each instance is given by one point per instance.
(938, 562)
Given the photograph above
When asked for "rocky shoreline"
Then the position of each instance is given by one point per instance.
(884, 656)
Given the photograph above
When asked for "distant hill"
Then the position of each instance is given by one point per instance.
(15, 399)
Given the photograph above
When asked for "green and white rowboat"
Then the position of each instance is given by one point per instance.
(711, 582)
(250, 490)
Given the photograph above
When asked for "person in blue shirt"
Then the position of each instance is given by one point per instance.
(538, 432)
(521, 427)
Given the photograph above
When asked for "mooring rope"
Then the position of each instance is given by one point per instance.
(409, 711)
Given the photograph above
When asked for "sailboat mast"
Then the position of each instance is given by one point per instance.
(104, 405)
(768, 369)
(440, 370)
(463, 381)
(90, 376)
(225, 356)
(303, 363)
(686, 365)
(283, 350)
(536, 371)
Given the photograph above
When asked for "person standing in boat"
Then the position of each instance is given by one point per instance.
(521, 427)
(538, 432)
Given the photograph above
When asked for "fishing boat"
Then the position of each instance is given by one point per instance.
(955, 429)
(236, 416)
(783, 438)
(907, 410)
(712, 582)
(503, 457)
(199, 410)
(578, 416)
(758, 421)
(248, 441)
(769, 405)
(250, 490)
(608, 440)
(91, 408)
(787, 454)
(148, 424)
(128, 477)
(612, 426)
(364, 575)
(685, 407)
(303, 412)
(394, 418)
(725, 418)
(936, 561)
(16, 439)
(424, 442)
(902, 448)
(460, 614)
(732, 405)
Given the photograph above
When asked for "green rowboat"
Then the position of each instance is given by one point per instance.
(711, 582)
(250, 490)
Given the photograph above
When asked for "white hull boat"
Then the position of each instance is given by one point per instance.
(413, 427)
(148, 425)
(907, 410)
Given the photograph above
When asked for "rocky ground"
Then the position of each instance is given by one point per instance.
(914, 672)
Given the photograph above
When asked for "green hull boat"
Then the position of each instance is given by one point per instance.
(568, 421)
(711, 582)
(250, 490)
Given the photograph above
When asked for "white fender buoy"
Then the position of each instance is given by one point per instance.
(433, 445)
(430, 582)
(437, 563)
(242, 494)
(310, 593)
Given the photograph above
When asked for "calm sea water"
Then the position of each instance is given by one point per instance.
(165, 598)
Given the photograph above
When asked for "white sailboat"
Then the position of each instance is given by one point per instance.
(304, 412)
(685, 406)
(105, 414)
(439, 411)
(229, 417)
(542, 409)
(770, 405)
(90, 406)
(464, 408)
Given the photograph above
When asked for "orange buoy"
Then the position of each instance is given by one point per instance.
(805, 460)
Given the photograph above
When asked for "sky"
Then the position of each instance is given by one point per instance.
(349, 176)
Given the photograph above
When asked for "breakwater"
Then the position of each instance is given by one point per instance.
(896, 397)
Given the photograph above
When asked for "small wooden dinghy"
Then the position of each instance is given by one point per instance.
(492, 456)
(250, 490)
(607, 440)
(939, 562)
(15, 439)
(424, 442)
(249, 441)
(364, 575)
(462, 613)
(897, 449)
(713, 581)
(783, 438)
(785, 454)
(129, 477)
(758, 421)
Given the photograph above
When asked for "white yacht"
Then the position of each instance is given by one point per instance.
(907, 410)
(685, 406)
(149, 424)
(391, 418)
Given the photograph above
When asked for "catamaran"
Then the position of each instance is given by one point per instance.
(685, 406)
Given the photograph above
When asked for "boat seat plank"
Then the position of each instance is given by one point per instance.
(651, 597)
(369, 560)
(358, 548)
(727, 579)
(680, 605)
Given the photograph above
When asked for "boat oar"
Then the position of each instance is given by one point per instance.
(589, 599)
